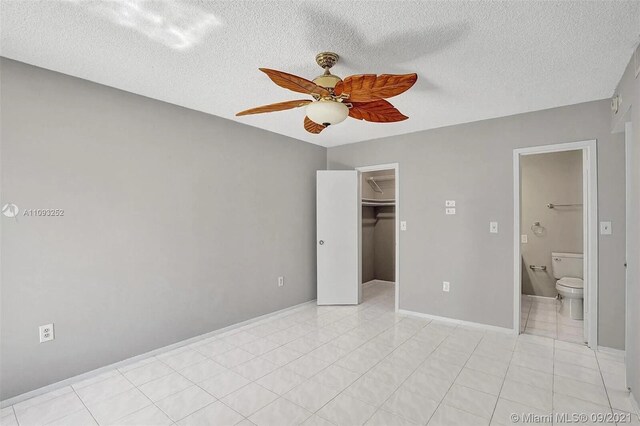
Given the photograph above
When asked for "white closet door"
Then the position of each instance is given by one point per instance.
(338, 237)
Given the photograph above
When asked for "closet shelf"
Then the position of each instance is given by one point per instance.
(378, 200)
(375, 202)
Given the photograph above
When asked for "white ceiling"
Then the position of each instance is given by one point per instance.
(474, 60)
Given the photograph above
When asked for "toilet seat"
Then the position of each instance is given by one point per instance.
(571, 282)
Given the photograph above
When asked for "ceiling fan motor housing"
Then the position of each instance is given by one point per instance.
(326, 60)
(327, 80)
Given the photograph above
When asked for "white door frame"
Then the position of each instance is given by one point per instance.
(628, 143)
(396, 168)
(590, 225)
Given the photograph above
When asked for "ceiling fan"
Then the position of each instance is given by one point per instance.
(360, 96)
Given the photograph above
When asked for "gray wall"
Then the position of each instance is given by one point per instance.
(629, 111)
(472, 164)
(176, 223)
(549, 178)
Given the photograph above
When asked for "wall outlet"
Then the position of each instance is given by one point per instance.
(280, 281)
(493, 227)
(445, 286)
(450, 203)
(46, 333)
(524, 239)
(605, 228)
(403, 225)
(450, 210)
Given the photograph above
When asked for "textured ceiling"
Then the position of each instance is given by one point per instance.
(474, 60)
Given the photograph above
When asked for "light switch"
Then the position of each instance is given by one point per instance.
(605, 228)
(524, 239)
(445, 286)
(450, 210)
(450, 203)
(493, 227)
(403, 225)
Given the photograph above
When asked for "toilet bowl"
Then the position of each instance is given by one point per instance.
(567, 269)
(571, 291)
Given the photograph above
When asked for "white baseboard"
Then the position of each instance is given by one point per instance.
(459, 322)
(548, 299)
(634, 403)
(137, 358)
(611, 351)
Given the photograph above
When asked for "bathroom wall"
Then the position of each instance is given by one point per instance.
(549, 178)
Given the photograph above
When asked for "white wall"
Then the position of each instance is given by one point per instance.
(629, 111)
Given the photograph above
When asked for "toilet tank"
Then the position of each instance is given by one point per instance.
(566, 265)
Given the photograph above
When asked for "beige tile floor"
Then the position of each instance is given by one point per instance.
(542, 317)
(347, 365)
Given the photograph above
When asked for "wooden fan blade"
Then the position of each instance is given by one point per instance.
(295, 83)
(280, 106)
(379, 111)
(312, 126)
(369, 87)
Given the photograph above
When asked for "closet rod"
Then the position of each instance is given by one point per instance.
(376, 204)
(373, 182)
(381, 178)
(553, 206)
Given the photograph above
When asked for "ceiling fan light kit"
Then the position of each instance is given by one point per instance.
(327, 112)
(360, 96)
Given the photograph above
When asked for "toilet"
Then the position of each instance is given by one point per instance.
(567, 269)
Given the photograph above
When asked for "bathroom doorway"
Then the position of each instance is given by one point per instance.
(555, 242)
(379, 248)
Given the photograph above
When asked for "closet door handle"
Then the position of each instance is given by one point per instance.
(321, 242)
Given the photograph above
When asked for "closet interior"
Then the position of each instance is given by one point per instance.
(378, 225)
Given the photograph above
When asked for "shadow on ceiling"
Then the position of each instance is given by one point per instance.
(176, 25)
(388, 53)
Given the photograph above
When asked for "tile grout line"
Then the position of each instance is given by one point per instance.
(606, 392)
(454, 379)
(553, 383)
(152, 402)
(504, 379)
(84, 405)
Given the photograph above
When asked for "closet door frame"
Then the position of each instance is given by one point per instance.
(396, 169)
